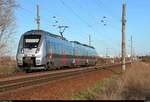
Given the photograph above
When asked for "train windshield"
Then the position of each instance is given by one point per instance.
(31, 41)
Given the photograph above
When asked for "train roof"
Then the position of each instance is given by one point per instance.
(45, 32)
(55, 36)
(82, 44)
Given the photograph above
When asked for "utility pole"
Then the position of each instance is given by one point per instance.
(131, 50)
(123, 36)
(89, 40)
(38, 18)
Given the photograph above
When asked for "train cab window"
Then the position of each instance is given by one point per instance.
(53, 47)
(31, 41)
(60, 48)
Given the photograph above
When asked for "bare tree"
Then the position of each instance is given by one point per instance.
(7, 23)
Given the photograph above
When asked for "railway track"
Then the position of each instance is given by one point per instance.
(13, 84)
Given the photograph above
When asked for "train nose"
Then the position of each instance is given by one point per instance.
(32, 53)
(29, 52)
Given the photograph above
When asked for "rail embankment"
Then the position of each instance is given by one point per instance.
(133, 84)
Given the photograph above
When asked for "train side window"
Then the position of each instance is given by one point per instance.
(59, 47)
(56, 48)
(50, 46)
(53, 47)
(66, 49)
(69, 50)
(61, 51)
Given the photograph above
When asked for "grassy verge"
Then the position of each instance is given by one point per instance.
(7, 65)
(92, 92)
(6, 70)
(134, 84)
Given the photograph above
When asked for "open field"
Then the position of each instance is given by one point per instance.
(133, 84)
(145, 58)
(7, 65)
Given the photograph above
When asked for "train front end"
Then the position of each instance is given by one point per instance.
(30, 54)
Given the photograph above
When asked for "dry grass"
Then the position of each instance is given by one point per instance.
(91, 92)
(146, 58)
(7, 65)
(134, 84)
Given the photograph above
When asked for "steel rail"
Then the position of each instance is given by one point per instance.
(8, 85)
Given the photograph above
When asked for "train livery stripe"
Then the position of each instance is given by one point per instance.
(64, 57)
(71, 56)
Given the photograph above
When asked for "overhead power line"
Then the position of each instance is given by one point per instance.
(81, 19)
(99, 4)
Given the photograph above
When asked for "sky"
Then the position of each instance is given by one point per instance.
(83, 17)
